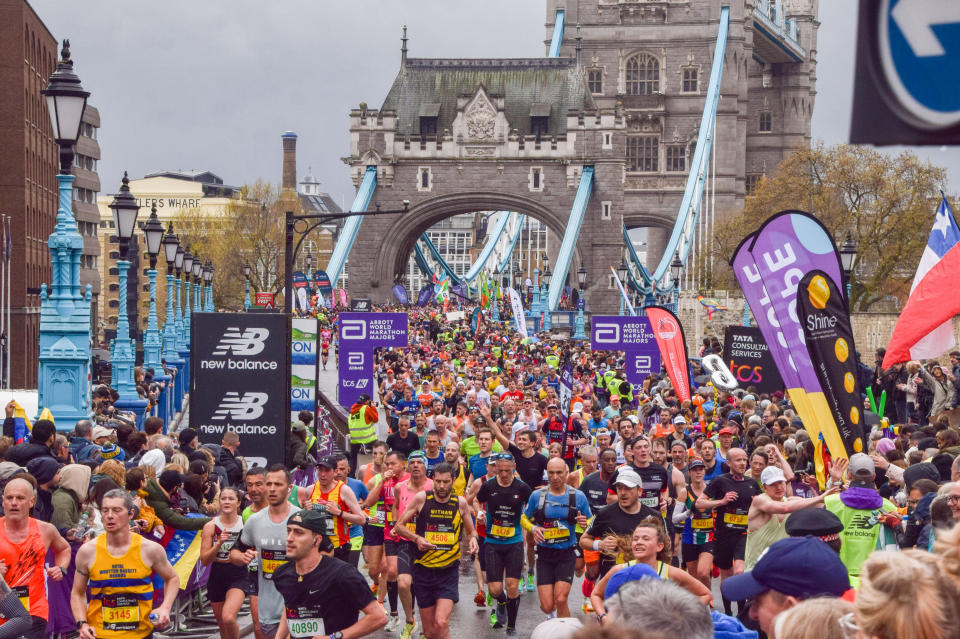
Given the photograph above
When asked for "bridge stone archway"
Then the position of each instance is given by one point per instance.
(457, 136)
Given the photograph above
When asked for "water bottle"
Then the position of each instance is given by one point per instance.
(83, 526)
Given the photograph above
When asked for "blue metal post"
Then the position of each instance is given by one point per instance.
(170, 353)
(496, 305)
(123, 355)
(246, 297)
(209, 307)
(186, 309)
(746, 313)
(676, 296)
(151, 339)
(196, 296)
(547, 310)
(64, 375)
(535, 306)
(580, 323)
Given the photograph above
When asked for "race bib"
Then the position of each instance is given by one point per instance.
(305, 622)
(378, 517)
(651, 502)
(23, 594)
(700, 524)
(734, 519)
(224, 552)
(270, 560)
(497, 530)
(555, 532)
(443, 536)
(389, 513)
(120, 612)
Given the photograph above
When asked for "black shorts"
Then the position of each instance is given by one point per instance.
(691, 552)
(555, 565)
(223, 577)
(390, 547)
(342, 552)
(372, 535)
(727, 549)
(37, 629)
(431, 584)
(403, 551)
(500, 559)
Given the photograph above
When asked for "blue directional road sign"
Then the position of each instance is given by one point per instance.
(906, 89)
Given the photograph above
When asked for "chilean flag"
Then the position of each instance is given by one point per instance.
(925, 327)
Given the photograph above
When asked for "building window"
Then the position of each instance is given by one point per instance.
(766, 122)
(428, 126)
(690, 80)
(643, 75)
(424, 181)
(595, 81)
(607, 141)
(642, 153)
(539, 126)
(536, 178)
(676, 158)
(605, 210)
(752, 182)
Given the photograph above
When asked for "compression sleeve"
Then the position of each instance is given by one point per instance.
(526, 523)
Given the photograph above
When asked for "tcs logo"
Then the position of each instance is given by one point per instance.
(747, 374)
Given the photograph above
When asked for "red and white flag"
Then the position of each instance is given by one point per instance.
(924, 329)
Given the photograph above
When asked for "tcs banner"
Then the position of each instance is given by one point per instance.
(750, 361)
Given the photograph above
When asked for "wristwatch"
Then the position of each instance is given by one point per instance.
(600, 617)
(81, 624)
(336, 635)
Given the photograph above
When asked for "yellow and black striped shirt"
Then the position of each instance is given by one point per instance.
(439, 523)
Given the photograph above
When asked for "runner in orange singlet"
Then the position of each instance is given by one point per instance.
(336, 498)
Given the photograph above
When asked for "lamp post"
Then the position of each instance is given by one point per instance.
(170, 353)
(208, 278)
(545, 298)
(676, 267)
(197, 273)
(177, 285)
(246, 287)
(152, 344)
(848, 255)
(187, 270)
(64, 375)
(496, 307)
(579, 332)
(123, 351)
(622, 274)
(535, 306)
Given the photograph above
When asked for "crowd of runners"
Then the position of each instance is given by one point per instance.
(465, 465)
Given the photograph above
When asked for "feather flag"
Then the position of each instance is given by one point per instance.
(183, 552)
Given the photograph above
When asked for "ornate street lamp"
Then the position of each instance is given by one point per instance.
(64, 374)
(848, 255)
(544, 295)
(535, 305)
(153, 230)
(208, 278)
(187, 271)
(197, 283)
(123, 351)
(170, 353)
(495, 316)
(676, 267)
(580, 323)
(246, 286)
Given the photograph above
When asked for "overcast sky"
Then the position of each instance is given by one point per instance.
(183, 84)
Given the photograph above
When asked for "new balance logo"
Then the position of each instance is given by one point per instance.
(239, 407)
(251, 341)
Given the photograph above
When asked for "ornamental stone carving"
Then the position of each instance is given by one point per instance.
(481, 119)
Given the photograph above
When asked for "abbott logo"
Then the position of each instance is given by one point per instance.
(642, 363)
(239, 407)
(251, 341)
(607, 333)
(353, 329)
(355, 359)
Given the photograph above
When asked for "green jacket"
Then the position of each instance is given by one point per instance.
(160, 503)
(66, 509)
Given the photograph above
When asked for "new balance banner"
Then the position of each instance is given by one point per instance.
(303, 365)
(400, 293)
(749, 359)
(673, 348)
(829, 336)
(769, 265)
(360, 334)
(239, 369)
(634, 336)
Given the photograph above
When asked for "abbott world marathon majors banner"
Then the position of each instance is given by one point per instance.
(239, 367)
(360, 334)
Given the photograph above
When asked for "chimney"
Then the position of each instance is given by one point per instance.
(289, 178)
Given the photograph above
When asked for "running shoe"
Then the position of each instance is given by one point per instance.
(394, 624)
(531, 586)
(479, 599)
(408, 630)
(497, 616)
(511, 633)
(490, 601)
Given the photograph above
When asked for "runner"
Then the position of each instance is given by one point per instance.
(730, 495)
(324, 346)
(336, 497)
(24, 542)
(263, 539)
(696, 535)
(589, 460)
(255, 481)
(442, 519)
(382, 497)
(504, 498)
(322, 595)
(552, 515)
(228, 584)
(342, 473)
(118, 568)
(403, 492)
(479, 562)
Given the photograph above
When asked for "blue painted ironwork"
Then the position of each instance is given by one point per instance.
(64, 376)
(505, 262)
(681, 239)
(557, 39)
(770, 20)
(565, 256)
(151, 339)
(352, 226)
(123, 353)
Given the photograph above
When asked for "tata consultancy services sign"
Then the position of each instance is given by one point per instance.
(239, 366)
(360, 334)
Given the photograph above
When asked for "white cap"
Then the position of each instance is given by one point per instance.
(577, 408)
(679, 419)
(771, 475)
(557, 628)
(628, 477)
(101, 431)
(633, 418)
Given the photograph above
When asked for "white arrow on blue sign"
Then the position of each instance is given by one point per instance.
(919, 44)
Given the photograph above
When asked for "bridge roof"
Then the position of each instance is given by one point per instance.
(524, 82)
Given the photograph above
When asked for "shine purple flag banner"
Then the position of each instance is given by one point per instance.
(360, 334)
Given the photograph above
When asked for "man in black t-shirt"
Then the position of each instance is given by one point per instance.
(322, 595)
(568, 433)
(730, 494)
(403, 440)
(531, 465)
(617, 519)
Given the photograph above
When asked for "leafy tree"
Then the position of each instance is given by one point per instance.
(886, 203)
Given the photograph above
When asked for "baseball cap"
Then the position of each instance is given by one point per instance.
(819, 522)
(313, 520)
(327, 461)
(696, 463)
(861, 466)
(101, 431)
(628, 477)
(577, 408)
(679, 419)
(771, 475)
(632, 573)
(735, 416)
(418, 455)
(552, 406)
(603, 431)
(725, 431)
(634, 419)
(815, 570)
